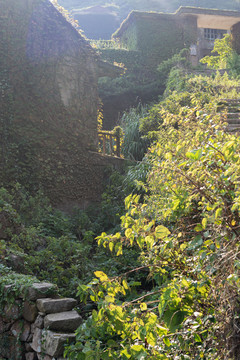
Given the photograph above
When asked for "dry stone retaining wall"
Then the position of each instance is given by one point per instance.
(37, 326)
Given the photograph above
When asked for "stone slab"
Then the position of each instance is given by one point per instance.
(53, 343)
(41, 290)
(67, 321)
(51, 306)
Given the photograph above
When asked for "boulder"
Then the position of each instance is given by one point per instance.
(67, 321)
(51, 306)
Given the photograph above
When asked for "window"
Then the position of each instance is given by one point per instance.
(213, 34)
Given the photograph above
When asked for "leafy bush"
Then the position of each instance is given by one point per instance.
(134, 146)
(55, 246)
(227, 57)
(187, 235)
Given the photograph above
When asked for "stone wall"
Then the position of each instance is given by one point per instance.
(37, 325)
(48, 105)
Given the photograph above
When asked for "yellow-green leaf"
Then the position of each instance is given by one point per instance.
(101, 275)
(161, 232)
(143, 306)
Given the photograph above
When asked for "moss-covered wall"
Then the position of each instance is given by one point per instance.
(51, 69)
(157, 36)
(48, 104)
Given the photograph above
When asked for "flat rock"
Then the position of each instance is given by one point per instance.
(51, 306)
(53, 343)
(67, 321)
(41, 290)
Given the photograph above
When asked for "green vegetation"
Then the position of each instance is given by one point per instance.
(180, 300)
(37, 240)
(167, 278)
(134, 145)
(226, 57)
(157, 274)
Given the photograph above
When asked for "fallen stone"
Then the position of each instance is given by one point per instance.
(51, 306)
(67, 321)
(37, 340)
(41, 290)
(29, 311)
(53, 343)
(21, 330)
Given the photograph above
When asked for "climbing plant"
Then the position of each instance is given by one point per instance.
(186, 231)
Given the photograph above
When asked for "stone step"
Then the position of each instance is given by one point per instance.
(51, 306)
(41, 290)
(233, 115)
(233, 121)
(233, 129)
(67, 321)
(230, 101)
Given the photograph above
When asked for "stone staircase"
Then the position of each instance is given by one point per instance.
(233, 114)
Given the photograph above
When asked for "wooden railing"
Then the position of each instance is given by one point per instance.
(109, 143)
